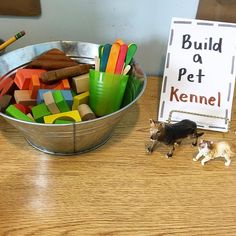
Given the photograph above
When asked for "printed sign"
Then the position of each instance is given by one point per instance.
(199, 75)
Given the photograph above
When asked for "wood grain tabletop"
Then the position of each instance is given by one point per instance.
(117, 189)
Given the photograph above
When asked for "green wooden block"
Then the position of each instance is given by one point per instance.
(16, 113)
(60, 101)
(39, 111)
(63, 121)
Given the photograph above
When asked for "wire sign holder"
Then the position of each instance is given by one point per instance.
(199, 75)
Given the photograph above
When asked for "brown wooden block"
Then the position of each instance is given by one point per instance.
(52, 60)
(5, 101)
(68, 72)
(23, 97)
(85, 112)
(50, 103)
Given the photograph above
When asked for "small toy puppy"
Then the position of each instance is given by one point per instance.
(172, 134)
(210, 150)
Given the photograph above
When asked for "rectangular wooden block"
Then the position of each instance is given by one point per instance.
(50, 103)
(7, 86)
(34, 86)
(23, 97)
(16, 113)
(81, 83)
(22, 108)
(82, 98)
(60, 101)
(5, 101)
(60, 121)
(23, 77)
(73, 116)
(39, 111)
(60, 85)
(67, 95)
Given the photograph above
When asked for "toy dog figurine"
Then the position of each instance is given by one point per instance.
(210, 150)
(172, 134)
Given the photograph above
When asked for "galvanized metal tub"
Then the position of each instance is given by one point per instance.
(75, 138)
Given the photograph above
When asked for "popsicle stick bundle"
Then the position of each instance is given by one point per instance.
(54, 89)
(115, 58)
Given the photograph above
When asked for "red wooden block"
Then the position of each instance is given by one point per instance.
(22, 108)
(7, 86)
(23, 77)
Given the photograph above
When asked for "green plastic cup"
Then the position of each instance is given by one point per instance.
(106, 92)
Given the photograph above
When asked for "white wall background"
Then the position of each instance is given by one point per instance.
(145, 23)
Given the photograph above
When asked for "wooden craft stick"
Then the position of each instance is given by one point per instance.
(104, 57)
(126, 70)
(121, 59)
(120, 41)
(100, 51)
(55, 75)
(97, 63)
(114, 53)
(132, 48)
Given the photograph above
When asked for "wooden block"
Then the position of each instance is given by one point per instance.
(39, 111)
(40, 98)
(50, 103)
(70, 115)
(7, 86)
(82, 98)
(68, 97)
(16, 113)
(60, 101)
(23, 97)
(4, 81)
(5, 101)
(68, 72)
(62, 84)
(59, 121)
(31, 117)
(22, 108)
(34, 86)
(66, 94)
(81, 83)
(23, 77)
(85, 112)
(51, 60)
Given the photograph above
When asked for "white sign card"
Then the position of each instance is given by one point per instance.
(199, 74)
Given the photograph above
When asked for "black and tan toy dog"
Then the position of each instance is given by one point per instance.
(172, 134)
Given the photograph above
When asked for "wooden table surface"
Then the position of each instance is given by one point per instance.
(117, 189)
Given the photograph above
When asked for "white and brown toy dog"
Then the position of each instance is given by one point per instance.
(210, 150)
